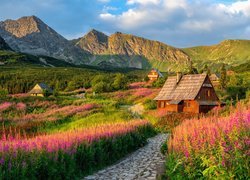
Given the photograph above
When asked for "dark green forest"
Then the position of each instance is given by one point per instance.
(21, 80)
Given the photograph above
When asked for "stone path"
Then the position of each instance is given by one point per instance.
(143, 164)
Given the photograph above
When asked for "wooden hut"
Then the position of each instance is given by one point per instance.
(40, 89)
(154, 74)
(189, 93)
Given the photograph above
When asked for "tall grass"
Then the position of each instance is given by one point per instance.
(70, 154)
(212, 147)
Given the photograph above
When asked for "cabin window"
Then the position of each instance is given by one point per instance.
(162, 104)
(208, 93)
(187, 104)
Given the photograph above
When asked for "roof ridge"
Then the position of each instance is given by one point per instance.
(187, 87)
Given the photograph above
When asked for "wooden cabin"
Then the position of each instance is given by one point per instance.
(230, 72)
(189, 93)
(154, 74)
(215, 79)
(39, 90)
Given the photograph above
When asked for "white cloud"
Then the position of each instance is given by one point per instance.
(194, 25)
(107, 16)
(237, 8)
(193, 20)
(143, 2)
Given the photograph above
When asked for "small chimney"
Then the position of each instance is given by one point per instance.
(178, 77)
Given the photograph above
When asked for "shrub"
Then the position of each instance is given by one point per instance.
(150, 104)
(120, 82)
(3, 93)
(159, 82)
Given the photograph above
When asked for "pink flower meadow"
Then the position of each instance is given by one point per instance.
(143, 92)
(204, 134)
(5, 105)
(136, 85)
(21, 106)
(67, 140)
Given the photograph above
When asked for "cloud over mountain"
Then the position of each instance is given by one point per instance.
(183, 22)
(178, 22)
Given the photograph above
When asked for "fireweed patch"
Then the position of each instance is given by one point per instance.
(70, 154)
(212, 147)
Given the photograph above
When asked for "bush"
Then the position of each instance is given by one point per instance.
(159, 82)
(3, 93)
(120, 82)
(150, 104)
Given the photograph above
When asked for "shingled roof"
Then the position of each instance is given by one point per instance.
(159, 73)
(186, 89)
(41, 90)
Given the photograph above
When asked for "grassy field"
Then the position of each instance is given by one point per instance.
(46, 137)
(68, 137)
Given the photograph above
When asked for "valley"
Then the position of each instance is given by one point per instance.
(120, 106)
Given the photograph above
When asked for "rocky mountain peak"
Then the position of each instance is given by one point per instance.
(97, 36)
(94, 42)
(23, 26)
(31, 35)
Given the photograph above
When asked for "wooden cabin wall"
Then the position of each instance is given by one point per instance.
(166, 106)
(191, 106)
(203, 93)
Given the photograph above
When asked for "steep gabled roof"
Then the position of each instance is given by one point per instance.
(158, 72)
(186, 89)
(43, 87)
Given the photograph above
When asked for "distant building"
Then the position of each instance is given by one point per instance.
(154, 74)
(189, 93)
(230, 72)
(215, 79)
(40, 89)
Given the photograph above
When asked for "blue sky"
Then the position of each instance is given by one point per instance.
(179, 23)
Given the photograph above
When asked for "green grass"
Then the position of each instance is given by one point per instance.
(231, 52)
(91, 120)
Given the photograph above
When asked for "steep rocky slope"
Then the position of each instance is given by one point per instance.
(125, 44)
(3, 44)
(31, 35)
(128, 50)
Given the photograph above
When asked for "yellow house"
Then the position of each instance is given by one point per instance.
(39, 90)
(154, 74)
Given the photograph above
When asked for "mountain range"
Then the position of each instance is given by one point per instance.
(30, 35)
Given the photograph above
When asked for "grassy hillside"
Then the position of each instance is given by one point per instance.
(11, 58)
(231, 52)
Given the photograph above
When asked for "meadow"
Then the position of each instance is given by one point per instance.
(66, 137)
(211, 147)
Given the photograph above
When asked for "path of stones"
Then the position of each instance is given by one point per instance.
(143, 164)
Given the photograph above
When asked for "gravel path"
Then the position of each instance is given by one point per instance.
(143, 164)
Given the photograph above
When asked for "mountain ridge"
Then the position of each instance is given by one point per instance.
(31, 35)
(133, 49)
(231, 51)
